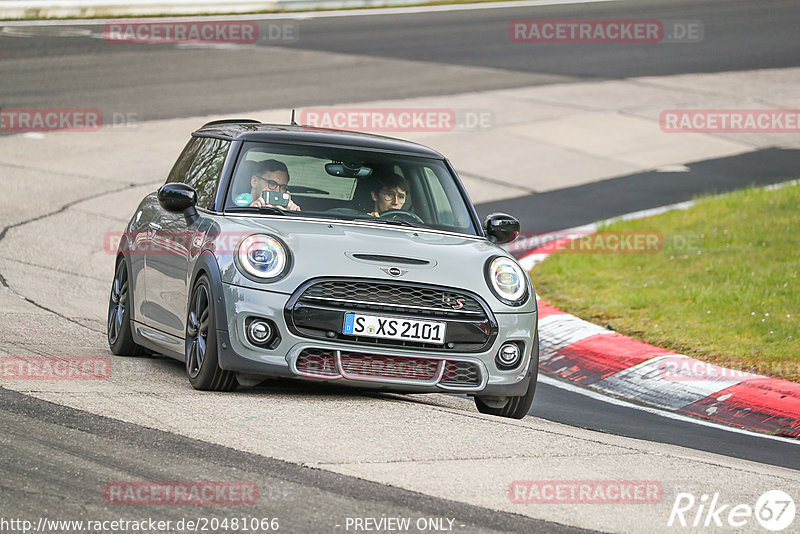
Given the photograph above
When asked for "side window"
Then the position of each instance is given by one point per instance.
(200, 166)
(444, 213)
(181, 167)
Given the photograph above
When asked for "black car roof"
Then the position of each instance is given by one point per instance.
(248, 130)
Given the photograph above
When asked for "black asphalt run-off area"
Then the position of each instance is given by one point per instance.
(584, 204)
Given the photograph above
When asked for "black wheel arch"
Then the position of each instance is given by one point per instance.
(122, 249)
(206, 263)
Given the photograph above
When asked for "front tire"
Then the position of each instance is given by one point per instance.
(516, 407)
(118, 331)
(202, 363)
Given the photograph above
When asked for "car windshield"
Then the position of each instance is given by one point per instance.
(332, 182)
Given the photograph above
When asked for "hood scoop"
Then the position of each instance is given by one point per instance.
(382, 258)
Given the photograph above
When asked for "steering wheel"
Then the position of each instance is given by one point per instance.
(402, 215)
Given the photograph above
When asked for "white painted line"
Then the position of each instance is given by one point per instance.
(529, 261)
(655, 411)
(300, 15)
(781, 185)
(648, 213)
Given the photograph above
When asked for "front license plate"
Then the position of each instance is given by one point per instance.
(356, 324)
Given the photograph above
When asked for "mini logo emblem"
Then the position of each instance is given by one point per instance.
(394, 271)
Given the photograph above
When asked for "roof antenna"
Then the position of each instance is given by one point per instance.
(293, 123)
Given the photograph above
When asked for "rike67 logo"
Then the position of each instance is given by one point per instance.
(774, 510)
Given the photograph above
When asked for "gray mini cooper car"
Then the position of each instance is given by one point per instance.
(288, 251)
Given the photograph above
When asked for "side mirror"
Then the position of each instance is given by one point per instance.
(501, 228)
(177, 198)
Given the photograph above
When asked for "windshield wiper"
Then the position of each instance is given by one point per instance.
(396, 222)
(272, 210)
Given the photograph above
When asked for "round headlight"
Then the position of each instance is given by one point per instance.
(263, 257)
(507, 281)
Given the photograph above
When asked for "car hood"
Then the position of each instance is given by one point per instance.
(322, 248)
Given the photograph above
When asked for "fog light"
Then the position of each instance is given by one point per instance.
(259, 332)
(509, 356)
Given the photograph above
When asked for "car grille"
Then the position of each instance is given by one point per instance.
(384, 296)
(317, 362)
(317, 310)
(459, 373)
(322, 364)
(368, 366)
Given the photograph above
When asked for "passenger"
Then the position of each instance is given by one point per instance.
(270, 175)
(389, 192)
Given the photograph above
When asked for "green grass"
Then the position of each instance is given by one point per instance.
(723, 289)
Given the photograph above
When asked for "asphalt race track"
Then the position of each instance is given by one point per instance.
(393, 56)
(326, 455)
(57, 443)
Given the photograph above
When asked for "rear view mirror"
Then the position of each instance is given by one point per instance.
(347, 169)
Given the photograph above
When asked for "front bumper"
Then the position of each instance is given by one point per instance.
(413, 370)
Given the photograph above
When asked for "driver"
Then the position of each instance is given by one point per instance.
(270, 175)
(389, 192)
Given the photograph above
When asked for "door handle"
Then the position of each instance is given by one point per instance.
(154, 226)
